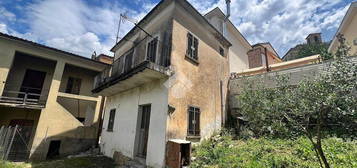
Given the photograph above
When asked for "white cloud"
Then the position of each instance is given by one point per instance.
(75, 26)
(284, 23)
(3, 28)
(6, 15)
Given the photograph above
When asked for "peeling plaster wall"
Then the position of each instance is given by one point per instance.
(195, 84)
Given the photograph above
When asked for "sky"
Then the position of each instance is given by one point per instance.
(84, 26)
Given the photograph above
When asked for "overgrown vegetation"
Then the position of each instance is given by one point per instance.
(316, 108)
(313, 49)
(77, 162)
(223, 151)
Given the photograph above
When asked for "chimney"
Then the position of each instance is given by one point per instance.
(228, 14)
(94, 55)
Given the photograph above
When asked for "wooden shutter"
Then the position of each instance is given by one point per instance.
(151, 50)
(191, 118)
(111, 120)
(195, 45)
(193, 121)
(197, 123)
(189, 44)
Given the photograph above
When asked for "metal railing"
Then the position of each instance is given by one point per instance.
(26, 96)
(135, 56)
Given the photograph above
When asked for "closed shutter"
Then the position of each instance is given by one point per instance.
(195, 46)
(111, 120)
(189, 45)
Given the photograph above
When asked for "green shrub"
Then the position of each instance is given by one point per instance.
(223, 151)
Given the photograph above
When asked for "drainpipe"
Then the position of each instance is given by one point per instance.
(100, 124)
(228, 14)
(266, 59)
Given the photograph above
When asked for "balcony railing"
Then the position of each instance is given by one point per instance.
(25, 97)
(149, 49)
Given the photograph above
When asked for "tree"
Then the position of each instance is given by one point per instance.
(325, 105)
(313, 49)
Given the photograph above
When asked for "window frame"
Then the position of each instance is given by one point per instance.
(189, 51)
(110, 124)
(157, 47)
(196, 111)
(70, 87)
(223, 51)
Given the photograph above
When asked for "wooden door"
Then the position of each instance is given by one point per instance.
(144, 130)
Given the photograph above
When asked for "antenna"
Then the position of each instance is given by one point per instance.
(117, 37)
(134, 21)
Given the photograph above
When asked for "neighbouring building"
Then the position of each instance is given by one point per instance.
(347, 28)
(311, 40)
(168, 83)
(237, 53)
(103, 58)
(47, 93)
(262, 55)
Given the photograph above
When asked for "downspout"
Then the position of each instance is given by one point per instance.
(228, 14)
(100, 124)
(266, 59)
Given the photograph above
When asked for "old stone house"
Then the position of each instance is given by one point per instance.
(47, 93)
(168, 83)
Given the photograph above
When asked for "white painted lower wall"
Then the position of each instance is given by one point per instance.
(122, 138)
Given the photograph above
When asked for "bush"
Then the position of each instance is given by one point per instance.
(223, 151)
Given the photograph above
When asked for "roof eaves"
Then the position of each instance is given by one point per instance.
(3, 35)
(217, 8)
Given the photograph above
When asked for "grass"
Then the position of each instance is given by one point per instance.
(78, 162)
(223, 151)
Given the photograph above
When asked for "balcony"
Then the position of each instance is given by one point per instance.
(25, 98)
(146, 61)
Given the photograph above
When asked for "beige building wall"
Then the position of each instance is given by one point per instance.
(55, 122)
(238, 58)
(348, 28)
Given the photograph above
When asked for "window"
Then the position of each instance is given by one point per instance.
(73, 85)
(316, 39)
(192, 47)
(221, 51)
(128, 61)
(193, 121)
(151, 50)
(111, 120)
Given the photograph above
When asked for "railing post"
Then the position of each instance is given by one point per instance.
(25, 99)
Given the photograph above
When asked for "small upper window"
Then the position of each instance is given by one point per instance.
(221, 51)
(111, 120)
(316, 39)
(192, 47)
(73, 85)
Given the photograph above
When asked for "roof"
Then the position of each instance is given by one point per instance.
(104, 55)
(219, 11)
(348, 16)
(312, 34)
(270, 47)
(6, 36)
(161, 5)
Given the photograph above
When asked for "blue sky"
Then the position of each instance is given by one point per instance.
(84, 26)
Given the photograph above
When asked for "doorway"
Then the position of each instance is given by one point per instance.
(32, 83)
(54, 149)
(143, 130)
